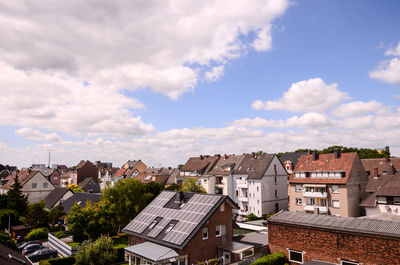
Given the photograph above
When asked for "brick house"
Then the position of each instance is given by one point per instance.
(313, 239)
(196, 167)
(55, 178)
(332, 184)
(185, 228)
(83, 170)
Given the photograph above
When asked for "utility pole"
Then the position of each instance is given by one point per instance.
(49, 160)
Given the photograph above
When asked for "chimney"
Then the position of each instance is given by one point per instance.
(386, 159)
(337, 155)
(181, 196)
(392, 169)
(253, 155)
(375, 172)
(387, 149)
(225, 156)
(201, 157)
(314, 156)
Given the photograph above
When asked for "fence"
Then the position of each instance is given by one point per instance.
(63, 248)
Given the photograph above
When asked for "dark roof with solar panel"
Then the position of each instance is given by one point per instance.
(173, 218)
(348, 224)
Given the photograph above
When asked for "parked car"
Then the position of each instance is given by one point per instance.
(44, 253)
(23, 245)
(31, 248)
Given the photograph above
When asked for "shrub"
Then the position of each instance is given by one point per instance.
(59, 234)
(252, 217)
(59, 261)
(120, 254)
(36, 234)
(100, 252)
(273, 259)
(7, 241)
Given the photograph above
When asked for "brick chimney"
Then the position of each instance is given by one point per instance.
(253, 155)
(225, 156)
(314, 156)
(375, 172)
(337, 155)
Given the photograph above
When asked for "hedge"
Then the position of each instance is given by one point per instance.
(59, 261)
(273, 259)
(36, 234)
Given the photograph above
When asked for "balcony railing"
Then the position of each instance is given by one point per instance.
(316, 194)
(242, 185)
(321, 209)
(243, 199)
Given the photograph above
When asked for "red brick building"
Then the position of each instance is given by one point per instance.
(83, 170)
(185, 228)
(322, 239)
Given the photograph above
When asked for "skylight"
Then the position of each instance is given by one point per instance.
(148, 177)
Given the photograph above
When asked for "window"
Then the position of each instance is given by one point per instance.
(359, 186)
(300, 175)
(396, 200)
(257, 188)
(237, 193)
(34, 185)
(218, 231)
(335, 189)
(299, 188)
(205, 233)
(295, 256)
(299, 201)
(55, 178)
(258, 201)
(323, 202)
(384, 172)
(275, 171)
(346, 262)
(276, 193)
(153, 224)
(45, 185)
(335, 204)
(169, 228)
(258, 212)
(205, 181)
(287, 167)
(222, 208)
(276, 180)
(382, 200)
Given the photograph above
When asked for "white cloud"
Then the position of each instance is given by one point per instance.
(394, 51)
(215, 73)
(308, 95)
(134, 44)
(387, 71)
(358, 108)
(36, 135)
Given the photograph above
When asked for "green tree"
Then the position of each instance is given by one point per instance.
(154, 188)
(37, 216)
(55, 215)
(75, 188)
(173, 187)
(191, 185)
(277, 258)
(8, 241)
(100, 252)
(16, 200)
(77, 221)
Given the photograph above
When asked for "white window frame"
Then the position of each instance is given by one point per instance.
(302, 256)
(298, 189)
(299, 201)
(337, 189)
(381, 199)
(398, 200)
(203, 231)
(349, 262)
(338, 204)
(34, 185)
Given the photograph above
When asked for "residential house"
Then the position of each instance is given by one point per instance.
(158, 175)
(90, 185)
(135, 164)
(12, 257)
(260, 185)
(383, 165)
(196, 167)
(219, 179)
(105, 165)
(184, 228)
(385, 193)
(34, 184)
(313, 239)
(84, 169)
(172, 179)
(106, 177)
(66, 178)
(80, 198)
(62, 168)
(328, 184)
(55, 178)
(57, 196)
(289, 160)
(129, 169)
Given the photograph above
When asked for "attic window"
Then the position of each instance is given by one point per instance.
(169, 228)
(153, 224)
(147, 178)
(384, 172)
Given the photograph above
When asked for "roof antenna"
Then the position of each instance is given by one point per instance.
(49, 160)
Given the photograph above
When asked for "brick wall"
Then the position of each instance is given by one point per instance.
(198, 249)
(331, 246)
(87, 170)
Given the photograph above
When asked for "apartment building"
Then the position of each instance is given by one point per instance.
(196, 167)
(332, 184)
(260, 185)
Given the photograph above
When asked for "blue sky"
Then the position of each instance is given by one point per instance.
(130, 89)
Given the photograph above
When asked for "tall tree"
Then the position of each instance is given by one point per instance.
(191, 185)
(16, 200)
(55, 215)
(37, 216)
(77, 221)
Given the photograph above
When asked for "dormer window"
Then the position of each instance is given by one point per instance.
(169, 228)
(384, 172)
(153, 224)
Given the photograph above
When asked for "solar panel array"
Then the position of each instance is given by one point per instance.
(188, 217)
(362, 225)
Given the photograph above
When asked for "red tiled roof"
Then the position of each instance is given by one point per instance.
(200, 163)
(23, 177)
(382, 164)
(120, 172)
(325, 162)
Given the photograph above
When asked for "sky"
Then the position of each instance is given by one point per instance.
(163, 80)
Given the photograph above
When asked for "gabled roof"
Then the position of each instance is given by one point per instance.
(338, 223)
(324, 163)
(120, 173)
(187, 211)
(90, 185)
(82, 163)
(81, 198)
(201, 163)
(391, 187)
(254, 166)
(54, 196)
(229, 161)
(382, 164)
(45, 171)
(293, 157)
(23, 177)
(12, 257)
(172, 177)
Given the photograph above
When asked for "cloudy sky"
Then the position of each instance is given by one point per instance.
(164, 80)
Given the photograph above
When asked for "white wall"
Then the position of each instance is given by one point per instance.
(38, 193)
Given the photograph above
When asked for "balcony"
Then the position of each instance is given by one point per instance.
(243, 199)
(316, 194)
(321, 209)
(241, 185)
